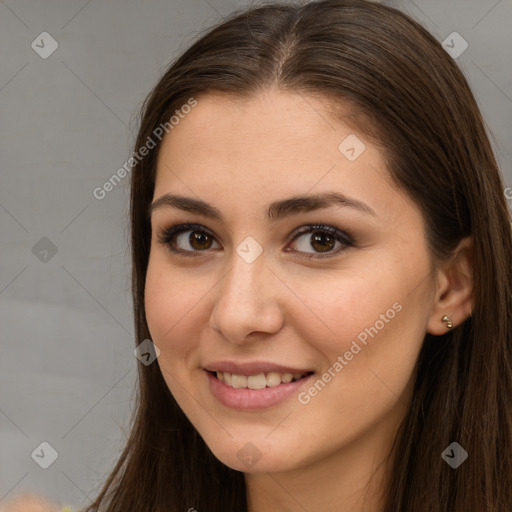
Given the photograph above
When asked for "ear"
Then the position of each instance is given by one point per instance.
(454, 290)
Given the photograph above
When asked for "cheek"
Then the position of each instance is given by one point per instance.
(177, 312)
(168, 312)
(374, 320)
(170, 297)
(336, 308)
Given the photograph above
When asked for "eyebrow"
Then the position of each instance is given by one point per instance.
(275, 211)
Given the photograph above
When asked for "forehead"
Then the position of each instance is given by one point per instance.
(265, 131)
(278, 118)
(268, 146)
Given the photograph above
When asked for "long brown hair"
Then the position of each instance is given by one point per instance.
(412, 98)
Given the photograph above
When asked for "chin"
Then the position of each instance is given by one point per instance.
(256, 454)
(253, 464)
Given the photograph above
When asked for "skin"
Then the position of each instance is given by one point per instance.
(29, 502)
(238, 156)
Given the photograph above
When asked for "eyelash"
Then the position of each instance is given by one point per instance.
(167, 236)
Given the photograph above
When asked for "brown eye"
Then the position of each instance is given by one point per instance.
(187, 239)
(322, 239)
(199, 240)
(322, 242)
(192, 239)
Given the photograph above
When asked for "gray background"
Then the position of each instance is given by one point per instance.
(67, 123)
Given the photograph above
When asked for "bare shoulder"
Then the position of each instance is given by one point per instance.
(29, 503)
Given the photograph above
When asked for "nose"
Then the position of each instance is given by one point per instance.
(247, 301)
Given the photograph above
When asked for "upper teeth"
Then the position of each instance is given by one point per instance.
(259, 381)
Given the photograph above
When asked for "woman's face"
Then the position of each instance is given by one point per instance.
(332, 289)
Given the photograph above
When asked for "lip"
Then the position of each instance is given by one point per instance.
(245, 399)
(252, 368)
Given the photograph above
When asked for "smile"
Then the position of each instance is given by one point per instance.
(259, 381)
(251, 388)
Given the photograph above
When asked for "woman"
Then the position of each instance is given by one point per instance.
(321, 256)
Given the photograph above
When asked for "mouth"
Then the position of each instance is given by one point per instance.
(255, 385)
(258, 381)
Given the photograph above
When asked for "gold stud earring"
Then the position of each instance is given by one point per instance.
(448, 321)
